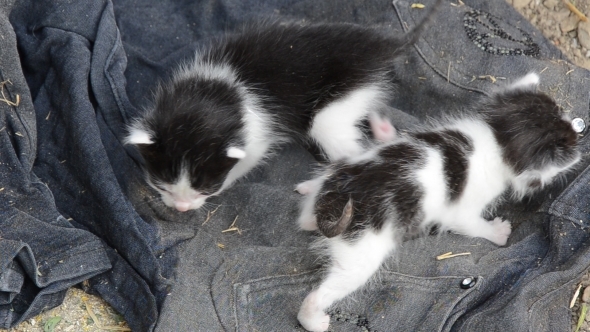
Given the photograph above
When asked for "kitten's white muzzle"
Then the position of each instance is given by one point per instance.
(183, 205)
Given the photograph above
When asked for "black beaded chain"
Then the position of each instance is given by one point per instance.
(472, 18)
(358, 320)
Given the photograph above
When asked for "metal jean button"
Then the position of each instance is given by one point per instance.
(468, 283)
(579, 125)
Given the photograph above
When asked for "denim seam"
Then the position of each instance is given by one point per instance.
(109, 77)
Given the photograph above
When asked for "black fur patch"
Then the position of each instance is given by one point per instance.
(455, 149)
(530, 129)
(299, 69)
(377, 189)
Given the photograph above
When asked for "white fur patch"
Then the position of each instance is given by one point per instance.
(206, 70)
(334, 127)
(530, 80)
(236, 153)
(257, 135)
(138, 136)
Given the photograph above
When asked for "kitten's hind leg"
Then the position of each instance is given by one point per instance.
(496, 231)
(335, 127)
(352, 265)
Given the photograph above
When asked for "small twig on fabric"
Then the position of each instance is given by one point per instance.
(233, 227)
(576, 294)
(210, 214)
(4, 99)
(569, 71)
(451, 255)
(575, 10)
(417, 5)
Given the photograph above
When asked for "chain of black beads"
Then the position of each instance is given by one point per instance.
(472, 18)
(358, 320)
(361, 321)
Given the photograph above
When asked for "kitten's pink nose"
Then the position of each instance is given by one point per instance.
(182, 206)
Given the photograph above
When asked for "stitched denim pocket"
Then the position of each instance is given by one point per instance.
(267, 296)
(271, 304)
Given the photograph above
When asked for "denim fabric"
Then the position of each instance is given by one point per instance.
(74, 206)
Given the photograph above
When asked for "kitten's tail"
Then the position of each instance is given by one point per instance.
(411, 37)
(334, 228)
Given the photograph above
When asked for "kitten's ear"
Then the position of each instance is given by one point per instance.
(529, 81)
(138, 136)
(237, 153)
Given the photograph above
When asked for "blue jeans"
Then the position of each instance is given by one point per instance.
(74, 206)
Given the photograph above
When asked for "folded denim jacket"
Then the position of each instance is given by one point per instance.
(74, 205)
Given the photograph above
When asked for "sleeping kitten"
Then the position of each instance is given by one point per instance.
(221, 114)
(446, 176)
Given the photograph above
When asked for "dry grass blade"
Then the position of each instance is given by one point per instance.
(575, 10)
(417, 5)
(575, 297)
(210, 214)
(451, 255)
(4, 99)
(233, 227)
(97, 323)
(583, 312)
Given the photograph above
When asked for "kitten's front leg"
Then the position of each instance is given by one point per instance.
(310, 186)
(352, 265)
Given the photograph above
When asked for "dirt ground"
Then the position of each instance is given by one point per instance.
(84, 312)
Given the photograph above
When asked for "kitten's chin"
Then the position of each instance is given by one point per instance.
(183, 206)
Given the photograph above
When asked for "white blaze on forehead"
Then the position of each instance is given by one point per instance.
(182, 189)
(236, 153)
(138, 136)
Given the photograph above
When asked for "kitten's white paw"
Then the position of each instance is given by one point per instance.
(308, 223)
(306, 187)
(310, 316)
(502, 230)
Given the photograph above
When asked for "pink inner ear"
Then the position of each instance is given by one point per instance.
(382, 129)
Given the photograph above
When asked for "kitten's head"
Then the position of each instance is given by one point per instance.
(537, 139)
(190, 140)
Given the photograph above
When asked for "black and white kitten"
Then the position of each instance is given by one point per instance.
(447, 176)
(221, 114)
